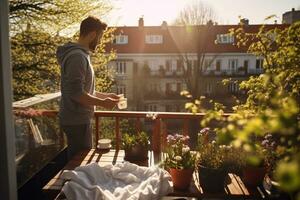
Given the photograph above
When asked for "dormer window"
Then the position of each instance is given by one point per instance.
(121, 39)
(154, 39)
(225, 38)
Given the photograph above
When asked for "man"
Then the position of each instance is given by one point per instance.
(78, 95)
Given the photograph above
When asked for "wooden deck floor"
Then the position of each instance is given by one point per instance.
(235, 189)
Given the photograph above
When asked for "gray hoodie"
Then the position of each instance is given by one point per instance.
(77, 77)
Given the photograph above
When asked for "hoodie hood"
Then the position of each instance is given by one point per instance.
(62, 51)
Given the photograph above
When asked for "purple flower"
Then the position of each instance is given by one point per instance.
(205, 130)
(170, 138)
(273, 144)
(268, 136)
(265, 143)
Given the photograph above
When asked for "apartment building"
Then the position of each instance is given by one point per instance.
(151, 64)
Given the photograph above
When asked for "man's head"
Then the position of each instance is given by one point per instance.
(91, 30)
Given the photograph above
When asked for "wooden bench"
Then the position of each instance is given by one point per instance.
(235, 189)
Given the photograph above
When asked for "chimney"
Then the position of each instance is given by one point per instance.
(244, 21)
(141, 22)
(210, 23)
(164, 25)
(293, 9)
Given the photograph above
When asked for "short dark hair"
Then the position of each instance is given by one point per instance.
(91, 24)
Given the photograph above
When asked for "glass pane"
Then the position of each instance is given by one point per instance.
(38, 138)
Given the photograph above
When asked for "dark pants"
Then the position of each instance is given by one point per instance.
(79, 137)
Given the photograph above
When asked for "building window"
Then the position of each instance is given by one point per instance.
(233, 87)
(179, 66)
(207, 64)
(259, 63)
(194, 63)
(225, 38)
(218, 65)
(153, 87)
(246, 64)
(168, 108)
(168, 88)
(152, 107)
(121, 67)
(173, 65)
(121, 39)
(179, 87)
(154, 39)
(232, 65)
(168, 65)
(121, 89)
(208, 88)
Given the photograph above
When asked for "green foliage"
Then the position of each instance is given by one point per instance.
(35, 70)
(272, 106)
(130, 140)
(35, 27)
(178, 155)
(53, 15)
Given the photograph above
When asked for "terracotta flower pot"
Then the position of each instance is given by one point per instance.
(181, 178)
(253, 176)
(212, 180)
(136, 153)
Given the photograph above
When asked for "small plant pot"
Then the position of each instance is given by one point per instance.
(136, 153)
(181, 178)
(253, 176)
(212, 180)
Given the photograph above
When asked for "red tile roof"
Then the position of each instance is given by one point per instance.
(181, 38)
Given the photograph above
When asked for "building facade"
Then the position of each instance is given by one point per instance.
(152, 64)
(291, 16)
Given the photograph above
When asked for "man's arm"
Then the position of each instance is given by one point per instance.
(107, 95)
(87, 99)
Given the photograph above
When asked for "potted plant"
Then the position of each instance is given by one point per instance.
(135, 146)
(253, 168)
(214, 161)
(259, 162)
(179, 161)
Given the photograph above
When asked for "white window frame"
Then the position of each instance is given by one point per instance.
(233, 87)
(219, 61)
(121, 67)
(153, 39)
(208, 88)
(226, 38)
(232, 68)
(121, 39)
(121, 89)
(261, 63)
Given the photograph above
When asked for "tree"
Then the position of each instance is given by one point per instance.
(53, 15)
(198, 18)
(36, 26)
(196, 13)
(193, 69)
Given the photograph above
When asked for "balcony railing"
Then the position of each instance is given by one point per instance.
(232, 72)
(158, 126)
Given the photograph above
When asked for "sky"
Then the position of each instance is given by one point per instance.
(127, 12)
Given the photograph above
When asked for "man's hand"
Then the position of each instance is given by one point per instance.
(109, 103)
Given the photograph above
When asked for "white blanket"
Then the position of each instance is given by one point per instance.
(120, 181)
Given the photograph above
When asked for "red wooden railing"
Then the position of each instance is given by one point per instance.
(158, 126)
